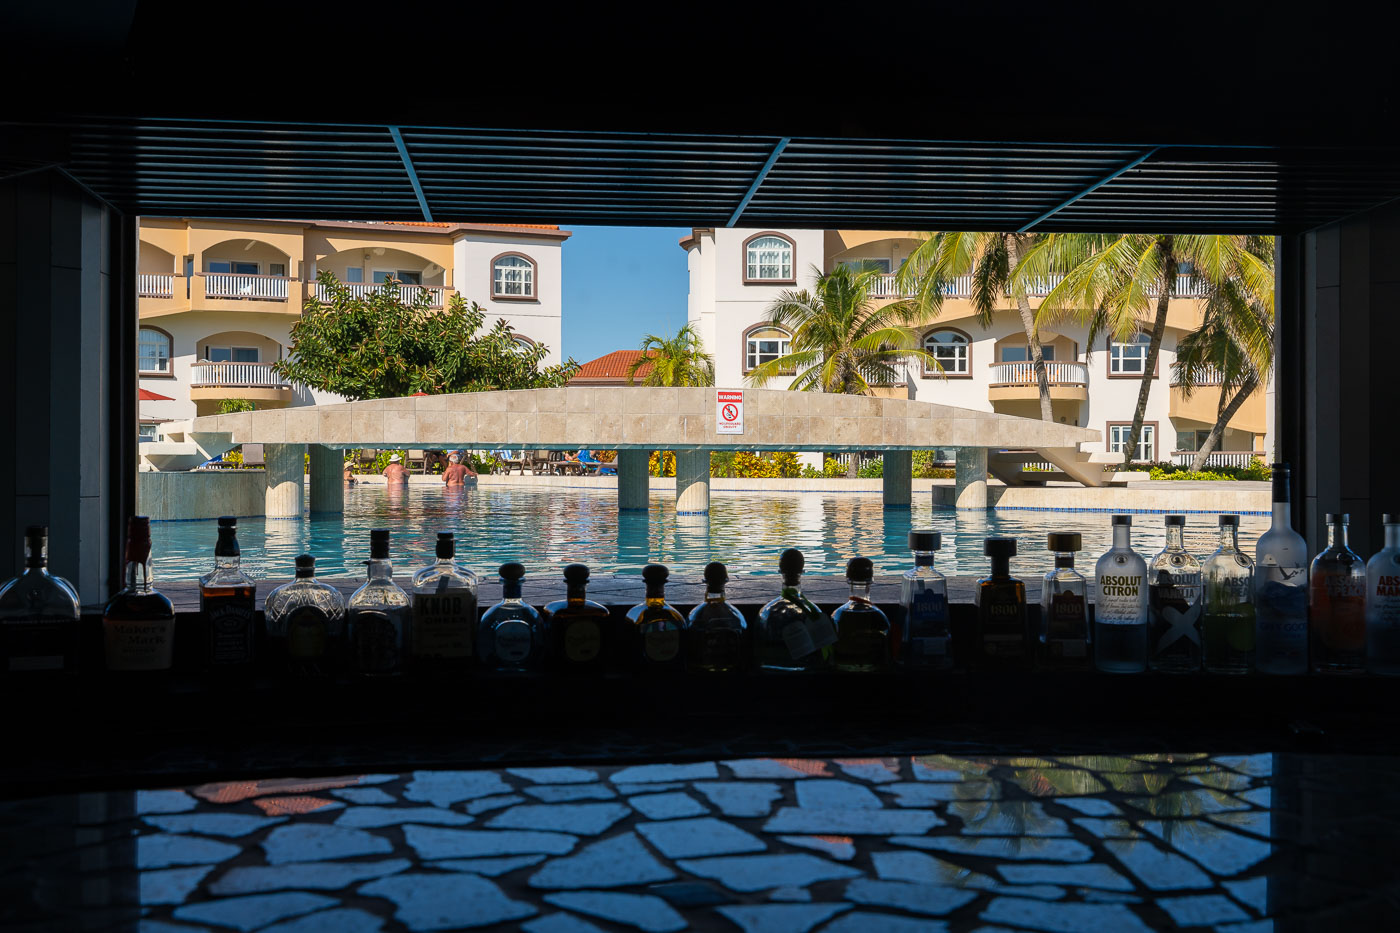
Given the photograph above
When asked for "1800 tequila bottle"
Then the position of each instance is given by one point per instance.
(1174, 605)
(1227, 616)
(1064, 607)
(1120, 612)
(1337, 604)
(928, 642)
(1001, 609)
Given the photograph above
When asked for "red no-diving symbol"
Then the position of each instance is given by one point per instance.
(731, 412)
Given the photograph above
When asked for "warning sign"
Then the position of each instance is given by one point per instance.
(729, 412)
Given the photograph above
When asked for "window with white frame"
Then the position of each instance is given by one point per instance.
(1130, 358)
(951, 349)
(769, 258)
(1147, 442)
(153, 351)
(513, 277)
(145, 433)
(766, 345)
(1022, 353)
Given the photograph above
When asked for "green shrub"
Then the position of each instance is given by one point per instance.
(231, 406)
(810, 472)
(1257, 470)
(872, 469)
(832, 468)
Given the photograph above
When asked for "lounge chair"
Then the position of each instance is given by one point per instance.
(253, 456)
(515, 463)
(368, 457)
(419, 457)
(540, 461)
(592, 465)
(561, 465)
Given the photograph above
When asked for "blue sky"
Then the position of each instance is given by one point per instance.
(621, 283)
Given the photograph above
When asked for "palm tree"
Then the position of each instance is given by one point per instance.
(679, 361)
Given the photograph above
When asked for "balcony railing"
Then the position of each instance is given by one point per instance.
(155, 286)
(407, 293)
(1210, 376)
(887, 286)
(242, 285)
(1227, 458)
(1023, 374)
(240, 375)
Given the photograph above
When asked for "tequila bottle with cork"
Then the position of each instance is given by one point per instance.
(378, 616)
(792, 634)
(928, 641)
(444, 611)
(657, 628)
(578, 628)
(1383, 602)
(864, 644)
(38, 614)
(1281, 589)
(1174, 605)
(1064, 607)
(1001, 609)
(511, 637)
(717, 638)
(228, 605)
(1120, 612)
(1337, 604)
(138, 625)
(1227, 618)
(305, 625)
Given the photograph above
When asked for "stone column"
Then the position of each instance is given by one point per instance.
(692, 482)
(286, 469)
(633, 479)
(898, 478)
(327, 479)
(971, 489)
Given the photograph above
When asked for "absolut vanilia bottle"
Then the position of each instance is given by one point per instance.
(1001, 609)
(1337, 604)
(1064, 607)
(1227, 616)
(228, 604)
(444, 610)
(38, 614)
(511, 638)
(1281, 589)
(138, 624)
(863, 642)
(1383, 603)
(717, 638)
(578, 628)
(1174, 605)
(792, 634)
(928, 641)
(378, 617)
(1120, 612)
(657, 628)
(305, 624)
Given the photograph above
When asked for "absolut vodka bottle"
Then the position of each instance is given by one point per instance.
(1120, 612)
(1383, 603)
(928, 642)
(1281, 589)
(1174, 605)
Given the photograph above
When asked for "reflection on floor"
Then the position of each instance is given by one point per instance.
(1238, 843)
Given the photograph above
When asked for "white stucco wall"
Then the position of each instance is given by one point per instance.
(540, 319)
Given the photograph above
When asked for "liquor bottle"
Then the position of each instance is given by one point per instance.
(1337, 604)
(1174, 605)
(305, 624)
(1383, 603)
(378, 617)
(1064, 607)
(1281, 590)
(1227, 616)
(578, 627)
(38, 613)
(864, 644)
(511, 636)
(656, 627)
(1001, 609)
(928, 642)
(444, 611)
(792, 634)
(138, 625)
(717, 638)
(1120, 612)
(228, 605)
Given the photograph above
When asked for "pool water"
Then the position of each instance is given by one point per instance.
(545, 528)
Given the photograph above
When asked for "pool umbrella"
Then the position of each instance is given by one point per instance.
(146, 395)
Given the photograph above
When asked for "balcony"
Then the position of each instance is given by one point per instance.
(1069, 382)
(244, 286)
(1203, 406)
(408, 294)
(1220, 458)
(886, 286)
(155, 286)
(211, 383)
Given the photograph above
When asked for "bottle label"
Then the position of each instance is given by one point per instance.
(442, 623)
(929, 646)
(38, 644)
(719, 648)
(1339, 611)
(231, 629)
(663, 646)
(138, 645)
(1067, 627)
(1120, 599)
(1174, 602)
(374, 642)
(306, 633)
(513, 640)
(1003, 627)
(1383, 608)
(798, 639)
(582, 641)
(1281, 618)
(821, 630)
(927, 611)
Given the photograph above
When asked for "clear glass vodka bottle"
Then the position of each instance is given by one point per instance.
(657, 628)
(1337, 604)
(717, 639)
(1227, 618)
(378, 616)
(1064, 607)
(1383, 603)
(792, 634)
(1174, 605)
(1120, 612)
(1281, 589)
(511, 636)
(228, 604)
(444, 610)
(305, 624)
(138, 624)
(928, 641)
(863, 643)
(38, 614)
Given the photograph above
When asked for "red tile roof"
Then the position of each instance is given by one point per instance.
(611, 367)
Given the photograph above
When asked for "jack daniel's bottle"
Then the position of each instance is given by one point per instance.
(1174, 605)
(138, 624)
(227, 600)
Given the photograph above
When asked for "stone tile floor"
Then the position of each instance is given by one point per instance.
(1237, 843)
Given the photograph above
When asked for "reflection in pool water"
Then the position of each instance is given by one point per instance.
(545, 528)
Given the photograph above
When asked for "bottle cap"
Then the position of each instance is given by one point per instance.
(138, 539)
(1281, 475)
(446, 545)
(860, 570)
(512, 571)
(379, 543)
(306, 565)
(576, 574)
(34, 532)
(1061, 541)
(1390, 518)
(791, 562)
(1122, 520)
(999, 547)
(228, 521)
(1338, 518)
(925, 540)
(655, 573)
(716, 574)
(1175, 520)
(36, 539)
(1228, 520)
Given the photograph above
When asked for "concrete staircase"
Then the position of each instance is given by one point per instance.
(1044, 465)
(180, 449)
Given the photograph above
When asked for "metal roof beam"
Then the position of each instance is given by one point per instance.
(1092, 188)
(758, 180)
(412, 172)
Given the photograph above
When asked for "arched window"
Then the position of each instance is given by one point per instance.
(765, 344)
(769, 257)
(512, 276)
(1130, 358)
(523, 342)
(952, 349)
(153, 352)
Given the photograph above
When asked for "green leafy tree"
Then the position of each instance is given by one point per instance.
(679, 361)
(231, 406)
(379, 346)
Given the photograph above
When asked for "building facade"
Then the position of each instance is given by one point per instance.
(218, 298)
(736, 274)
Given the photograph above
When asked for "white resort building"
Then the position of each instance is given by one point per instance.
(735, 274)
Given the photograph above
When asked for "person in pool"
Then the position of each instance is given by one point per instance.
(394, 473)
(457, 472)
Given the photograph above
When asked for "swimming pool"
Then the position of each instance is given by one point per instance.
(545, 528)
